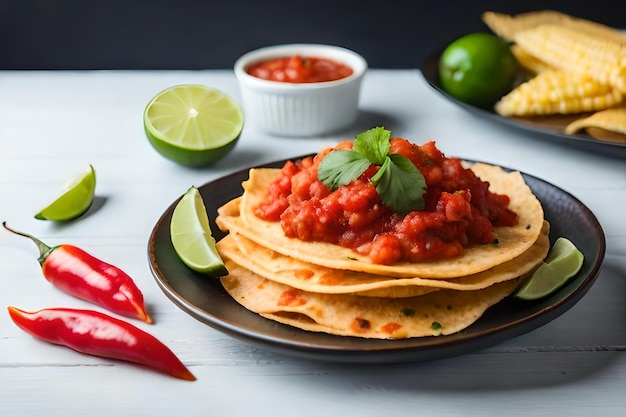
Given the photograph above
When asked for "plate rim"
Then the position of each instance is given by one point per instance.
(378, 351)
(428, 70)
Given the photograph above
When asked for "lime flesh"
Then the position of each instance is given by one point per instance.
(193, 125)
(562, 263)
(192, 238)
(76, 199)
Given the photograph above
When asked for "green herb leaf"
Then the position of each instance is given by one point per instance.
(407, 311)
(373, 144)
(381, 171)
(401, 186)
(341, 167)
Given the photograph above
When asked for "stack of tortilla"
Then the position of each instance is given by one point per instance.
(322, 287)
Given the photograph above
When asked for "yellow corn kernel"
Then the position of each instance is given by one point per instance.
(558, 92)
(573, 50)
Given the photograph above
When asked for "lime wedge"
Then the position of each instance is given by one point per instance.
(76, 199)
(193, 125)
(192, 238)
(563, 262)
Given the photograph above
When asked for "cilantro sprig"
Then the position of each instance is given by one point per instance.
(400, 185)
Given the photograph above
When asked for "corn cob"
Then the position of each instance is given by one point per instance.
(576, 51)
(558, 92)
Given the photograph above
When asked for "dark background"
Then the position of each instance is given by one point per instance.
(205, 34)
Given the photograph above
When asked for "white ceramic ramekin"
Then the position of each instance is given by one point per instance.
(301, 109)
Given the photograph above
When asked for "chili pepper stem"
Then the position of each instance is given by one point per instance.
(43, 248)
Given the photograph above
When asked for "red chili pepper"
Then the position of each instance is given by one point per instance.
(98, 334)
(80, 274)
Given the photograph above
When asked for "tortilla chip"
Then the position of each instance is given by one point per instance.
(512, 241)
(507, 26)
(315, 278)
(311, 277)
(611, 120)
(441, 312)
(606, 135)
(528, 61)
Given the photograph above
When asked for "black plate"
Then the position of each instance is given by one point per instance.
(206, 300)
(546, 127)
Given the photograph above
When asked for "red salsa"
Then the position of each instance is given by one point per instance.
(459, 209)
(298, 69)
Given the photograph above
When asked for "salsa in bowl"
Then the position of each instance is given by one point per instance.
(286, 91)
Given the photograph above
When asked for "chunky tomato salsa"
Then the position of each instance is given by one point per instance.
(298, 69)
(459, 209)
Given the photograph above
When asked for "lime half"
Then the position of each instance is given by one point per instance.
(563, 262)
(76, 199)
(193, 125)
(192, 238)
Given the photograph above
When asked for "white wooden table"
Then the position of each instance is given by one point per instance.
(52, 124)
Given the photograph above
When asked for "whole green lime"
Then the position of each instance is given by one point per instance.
(478, 69)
